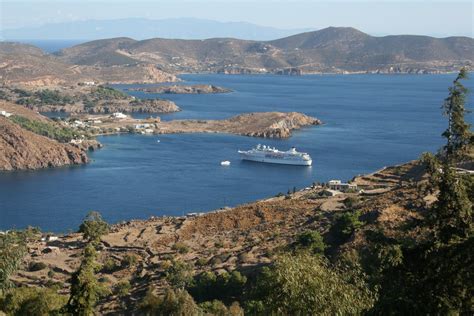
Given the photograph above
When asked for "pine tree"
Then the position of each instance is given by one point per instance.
(85, 288)
(458, 133)
(452, 214)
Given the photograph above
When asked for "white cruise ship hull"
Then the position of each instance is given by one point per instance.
(282, 161)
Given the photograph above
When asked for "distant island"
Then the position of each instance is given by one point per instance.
(340, 50)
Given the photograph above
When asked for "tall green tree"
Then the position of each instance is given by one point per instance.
(12, 250)
(94, 227)
(452, 213)
(85, 288)
(458, 133)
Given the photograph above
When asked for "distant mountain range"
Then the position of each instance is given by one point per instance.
(139, 28)
(330, 50)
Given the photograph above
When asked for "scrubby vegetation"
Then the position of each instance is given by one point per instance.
(43, 97)
(103, 92)
(50, 130)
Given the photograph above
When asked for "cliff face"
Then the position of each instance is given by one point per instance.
(21, 149)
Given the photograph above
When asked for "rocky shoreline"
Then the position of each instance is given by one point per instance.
(183, 89)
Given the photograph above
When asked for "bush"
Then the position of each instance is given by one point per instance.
(311, 240)
(344, 226)
(179, 274)
(174, 302)
(307, 285)
(214, 307)
(32, 301)
(201, 262)
(180, 247)
(129, 261)
(110, 265)
(224, 287)
(94, 227)
(122, 288)
(107, 93)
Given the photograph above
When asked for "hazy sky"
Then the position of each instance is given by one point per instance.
(437, 18)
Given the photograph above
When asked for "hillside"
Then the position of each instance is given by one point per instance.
(243, 238)
(21, 149)
(328, 50)
(30, 66)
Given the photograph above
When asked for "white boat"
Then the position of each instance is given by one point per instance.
(225, 163)
(272, 155)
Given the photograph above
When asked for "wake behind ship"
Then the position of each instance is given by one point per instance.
(272, 155)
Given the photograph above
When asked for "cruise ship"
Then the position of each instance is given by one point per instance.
(272, 155)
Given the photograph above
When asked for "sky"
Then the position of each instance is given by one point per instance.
(435, 18)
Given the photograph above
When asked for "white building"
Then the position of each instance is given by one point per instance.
(340, 186)
(119, 115)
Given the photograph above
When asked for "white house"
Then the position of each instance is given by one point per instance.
(340, 186)
(119, 115)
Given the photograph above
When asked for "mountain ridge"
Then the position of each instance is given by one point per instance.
(333, 49)
(142, 28)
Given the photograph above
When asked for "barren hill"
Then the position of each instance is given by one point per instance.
(334, 49)
(28, 65)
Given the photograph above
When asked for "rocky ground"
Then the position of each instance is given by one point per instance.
(243, 238)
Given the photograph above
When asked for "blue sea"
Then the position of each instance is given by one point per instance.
(370, 121)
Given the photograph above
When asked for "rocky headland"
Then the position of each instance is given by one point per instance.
(24, 150)
(262, 124)
(184, 89)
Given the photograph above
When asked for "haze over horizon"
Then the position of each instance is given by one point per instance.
(267, 19)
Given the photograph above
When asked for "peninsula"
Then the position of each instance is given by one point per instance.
(183, 89)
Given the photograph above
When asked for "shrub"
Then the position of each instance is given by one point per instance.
(225, 287)
(110, 265)
(180, 247)
(311, 240)
(344, 226)
(129, 261)
(179, 274)
(201, 262)
(94, 227)
(32, 301)
(214, 307)
(307, 285)
(122, 288)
